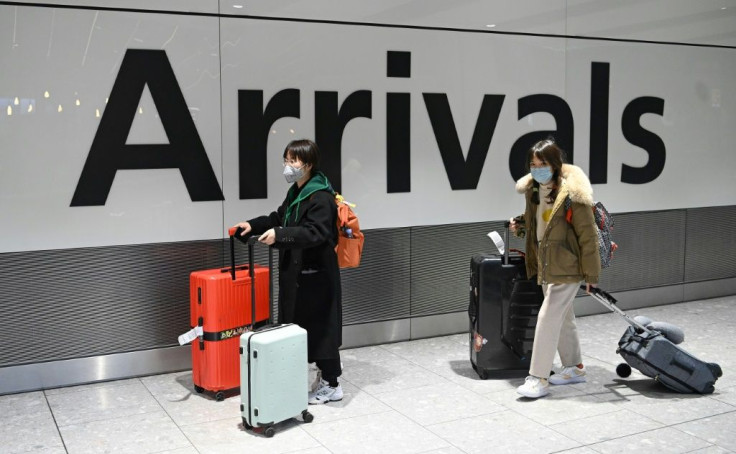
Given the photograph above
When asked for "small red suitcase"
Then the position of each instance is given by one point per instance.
(220, 302)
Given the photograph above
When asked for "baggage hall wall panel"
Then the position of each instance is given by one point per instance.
(710, 244)
(379, 289)
(74, 303)
(135, 132)
(651, 250)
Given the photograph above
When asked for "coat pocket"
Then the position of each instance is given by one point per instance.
(564, 261)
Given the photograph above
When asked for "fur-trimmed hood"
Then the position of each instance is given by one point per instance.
(574, 181)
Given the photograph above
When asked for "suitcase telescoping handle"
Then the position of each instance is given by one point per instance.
(233, 231)
(609, 301)
(252, 240)
(507, 245)
(506, 242)
(251, 267)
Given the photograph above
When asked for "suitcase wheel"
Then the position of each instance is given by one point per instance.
(199, 389)
(307, 417)
(623, 370)
(481, 373)
(268, 431)
(715, 369)
(219, 396)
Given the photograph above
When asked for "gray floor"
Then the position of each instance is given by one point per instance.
(411, 397)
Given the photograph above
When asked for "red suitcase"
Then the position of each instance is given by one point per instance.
(220, 302)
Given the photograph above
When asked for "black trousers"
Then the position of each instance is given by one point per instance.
(331, 369)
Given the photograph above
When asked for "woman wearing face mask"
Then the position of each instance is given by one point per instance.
(561, 254)
(304, 229)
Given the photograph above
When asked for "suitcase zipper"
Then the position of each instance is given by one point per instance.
(249, 381)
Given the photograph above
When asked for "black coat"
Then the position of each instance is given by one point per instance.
(309, 276)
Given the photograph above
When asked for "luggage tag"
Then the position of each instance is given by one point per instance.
(190, 335)
(497, 240)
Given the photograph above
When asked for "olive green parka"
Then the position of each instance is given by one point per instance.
(568, 251)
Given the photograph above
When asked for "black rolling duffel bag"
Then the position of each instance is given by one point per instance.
(652, 354)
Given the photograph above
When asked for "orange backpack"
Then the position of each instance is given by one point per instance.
(349, 237)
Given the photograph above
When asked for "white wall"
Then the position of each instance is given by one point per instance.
(75, 54)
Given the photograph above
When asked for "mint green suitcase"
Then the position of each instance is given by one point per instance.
(273, 377)
(273, 366)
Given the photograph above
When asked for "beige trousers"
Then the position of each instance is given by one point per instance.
(556, 330)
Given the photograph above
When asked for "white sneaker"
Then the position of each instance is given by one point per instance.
(568, 375)
(325, 393)
(534, 387)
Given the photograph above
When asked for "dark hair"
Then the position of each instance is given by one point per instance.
(548, 152)
(304, 150)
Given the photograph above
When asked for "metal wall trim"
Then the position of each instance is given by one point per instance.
(709, 289)
(365, 334)
(55, 374)
(439, 325)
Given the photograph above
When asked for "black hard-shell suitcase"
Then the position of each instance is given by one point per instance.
(651, 353)
(503, 311)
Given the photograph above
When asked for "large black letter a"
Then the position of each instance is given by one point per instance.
(109, 153)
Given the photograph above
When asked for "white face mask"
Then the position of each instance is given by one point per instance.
(293, 174)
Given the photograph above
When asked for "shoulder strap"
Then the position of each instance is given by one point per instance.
(568, 210)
